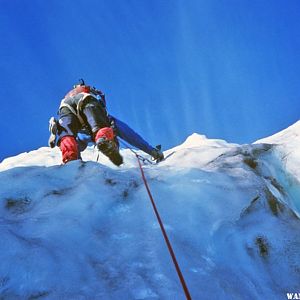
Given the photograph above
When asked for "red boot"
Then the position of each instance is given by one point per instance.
(105, 141)
(68, 147)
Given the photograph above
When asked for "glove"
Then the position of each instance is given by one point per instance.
(157, 155)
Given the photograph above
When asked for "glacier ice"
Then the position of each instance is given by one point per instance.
(87, 230)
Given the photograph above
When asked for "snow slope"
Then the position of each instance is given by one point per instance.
(86, 230)
(287, 144)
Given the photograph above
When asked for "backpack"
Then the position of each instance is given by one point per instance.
(89, 90)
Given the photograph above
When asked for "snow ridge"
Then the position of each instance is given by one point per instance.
(86, 230)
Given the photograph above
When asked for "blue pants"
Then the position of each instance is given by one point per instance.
(123, 131)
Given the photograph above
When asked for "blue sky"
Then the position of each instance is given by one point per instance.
(227, 69)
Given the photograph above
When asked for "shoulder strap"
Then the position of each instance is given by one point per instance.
(77, 111)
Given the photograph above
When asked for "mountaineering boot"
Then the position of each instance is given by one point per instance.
(53, 131)
(110, 149)
(105, 141)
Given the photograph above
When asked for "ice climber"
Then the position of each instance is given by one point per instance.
(83, 118)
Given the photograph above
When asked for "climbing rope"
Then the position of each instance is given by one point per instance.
(140, 157)
(171, 251)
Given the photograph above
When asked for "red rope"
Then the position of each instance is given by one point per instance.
(184, 286)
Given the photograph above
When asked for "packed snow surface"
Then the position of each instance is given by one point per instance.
(87, 230)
